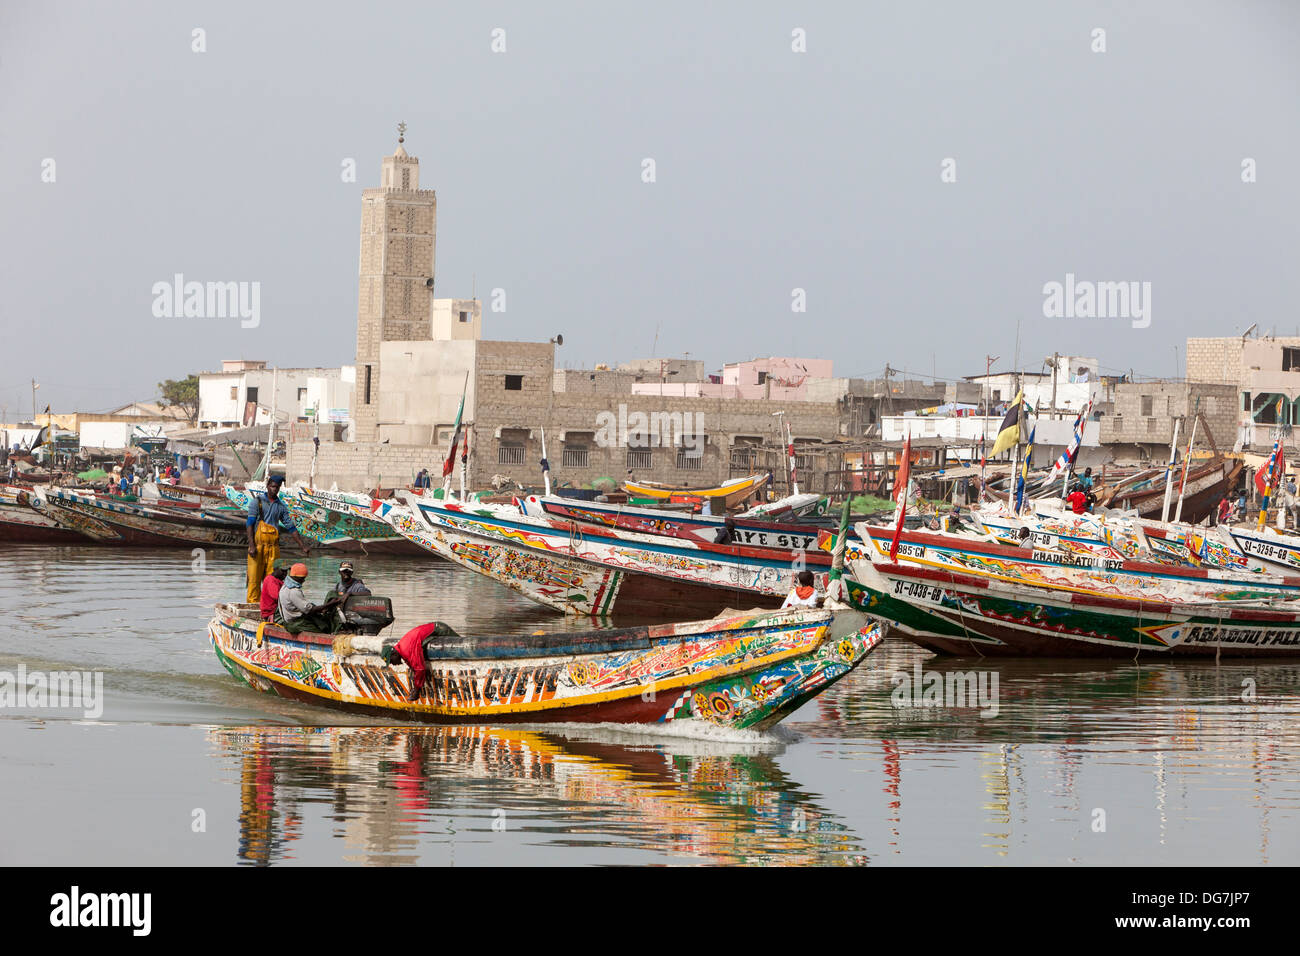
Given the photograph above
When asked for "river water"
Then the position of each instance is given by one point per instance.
(1097, 763)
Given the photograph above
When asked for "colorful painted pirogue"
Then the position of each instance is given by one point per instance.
(1132, 537)
(749, 670)
(599, 571)
(731, 492)
(333, 520)
(959, 595)
(758, 532)
(127, 524)
(20, 522)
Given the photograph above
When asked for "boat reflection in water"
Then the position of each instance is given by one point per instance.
(499, 796)
(1069, 739)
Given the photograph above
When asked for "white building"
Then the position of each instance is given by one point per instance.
(1073, 381)
(241, 393)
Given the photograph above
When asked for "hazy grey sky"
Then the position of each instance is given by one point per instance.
(775, 170)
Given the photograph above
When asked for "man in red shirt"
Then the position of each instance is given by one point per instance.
(1078, 501)
(271, 585)
(410, 649)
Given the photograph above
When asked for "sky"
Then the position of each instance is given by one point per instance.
(921, 171)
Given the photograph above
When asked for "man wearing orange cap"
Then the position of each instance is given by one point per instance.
(297, 614)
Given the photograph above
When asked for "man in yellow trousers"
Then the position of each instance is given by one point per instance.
(267, 517)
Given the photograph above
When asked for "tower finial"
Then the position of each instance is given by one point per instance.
(401, 132)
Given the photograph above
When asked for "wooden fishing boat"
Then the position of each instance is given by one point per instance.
(1206, 486)
(124, 524)
(333, 520)
(20, 523)
(1169, 542)
(759, 533)
(599, 571)
(958, 595)
(731, 493)
(745, 670)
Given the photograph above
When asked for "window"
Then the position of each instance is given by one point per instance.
(514, 383)
(1245, 401)
(575, 456)
(1146, 405)
(510, 454)
(1171, 410)
(640, 458)
(302, 394)
(1291, 360)
(251, 396)
(762, 378)
(368, 368)
(464, 316)
(406, 179)
(743, 457)
(234, 391)
(689, 460)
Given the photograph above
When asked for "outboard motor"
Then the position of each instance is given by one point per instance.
(367, 613)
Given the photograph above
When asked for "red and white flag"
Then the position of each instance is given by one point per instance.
(900, 495)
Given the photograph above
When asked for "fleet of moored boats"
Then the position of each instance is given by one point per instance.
(980, 581)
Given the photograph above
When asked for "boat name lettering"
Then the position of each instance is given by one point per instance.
(915, 589)
(1255, 636)
(1078, 560)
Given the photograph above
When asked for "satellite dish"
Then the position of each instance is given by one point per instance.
(428, 283)
(558, 340)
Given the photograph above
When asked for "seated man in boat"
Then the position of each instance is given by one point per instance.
(267, 517)
(297, 614)
(726, 534)
(348, 585)
(271, 586)
(803, 594)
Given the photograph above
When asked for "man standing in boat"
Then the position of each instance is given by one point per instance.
(267, 517)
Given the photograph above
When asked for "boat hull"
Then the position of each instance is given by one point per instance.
(121, 524)
(982, 602)
(746, 671)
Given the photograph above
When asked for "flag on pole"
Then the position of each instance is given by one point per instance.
(1264, 477)
(900, 494)
(1024, 471)
(1009, 432)
(1071, 453)
(450, 463)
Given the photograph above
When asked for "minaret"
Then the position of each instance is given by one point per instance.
(398, 235)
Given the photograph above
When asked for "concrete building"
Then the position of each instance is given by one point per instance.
(1141, 424)
(1263, 372)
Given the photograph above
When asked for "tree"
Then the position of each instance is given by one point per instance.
(183, 395)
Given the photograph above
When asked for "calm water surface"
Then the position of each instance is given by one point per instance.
(1141, 763)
